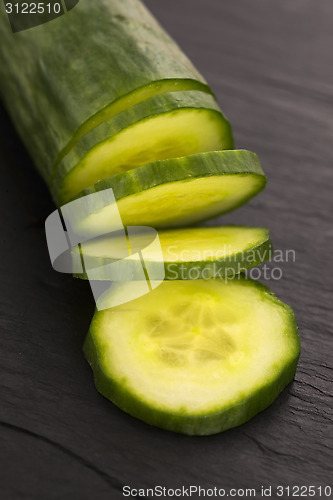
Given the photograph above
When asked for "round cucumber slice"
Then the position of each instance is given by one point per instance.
(196, 357)
(129, 100)
(164, 126)
(177, 192)
(189, 253)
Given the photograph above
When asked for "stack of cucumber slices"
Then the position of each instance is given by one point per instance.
(104, 98)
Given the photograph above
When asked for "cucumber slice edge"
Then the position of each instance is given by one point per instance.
(209, 422)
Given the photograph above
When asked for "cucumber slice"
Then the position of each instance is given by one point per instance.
(189, 253)
(164, 126)
(195, 357)
(60, 79)
(177, 192)
(129, 100)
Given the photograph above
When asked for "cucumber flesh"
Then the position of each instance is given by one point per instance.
(165, 126)
(189, 253)
(193, 200)
(196, 357)
(177, 191)
(129, 100)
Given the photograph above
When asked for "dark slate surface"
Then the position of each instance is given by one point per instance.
(271, 66)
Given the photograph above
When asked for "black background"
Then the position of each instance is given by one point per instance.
(271, 65)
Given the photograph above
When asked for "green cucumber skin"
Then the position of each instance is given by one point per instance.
(153, 107)
(198, 425)
(229, 266)
(43, 72)
(186, 168)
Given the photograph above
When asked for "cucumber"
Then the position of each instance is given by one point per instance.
(165, 126)
(196, 357)
(189, 253)
(61, 79)
(131, 99)
(176, 192)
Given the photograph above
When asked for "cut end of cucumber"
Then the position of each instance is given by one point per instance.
(125, 102)
(189, 201)
(168, 135)
(180, 191)
(196, 357)
(180, 203)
